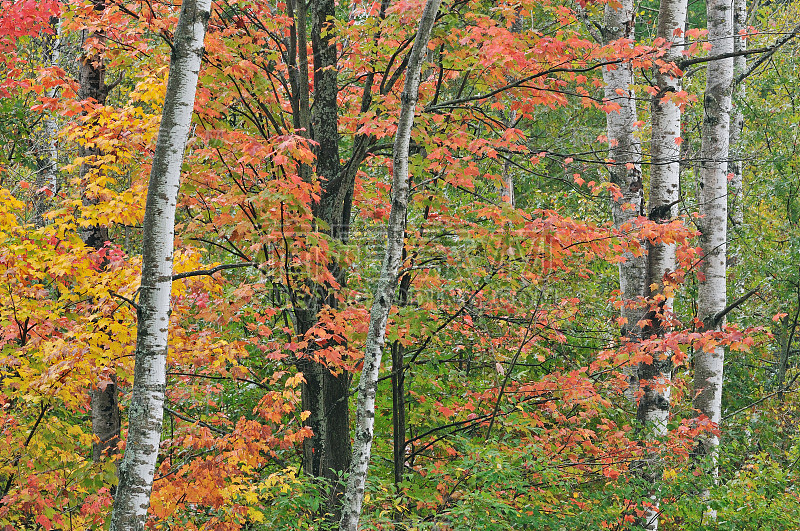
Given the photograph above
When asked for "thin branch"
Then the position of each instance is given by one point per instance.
(212, 377)
(519, 82)
(525, 341)
(199, 422)
(716, 319)
(126, 299)
(209, 272)
(699, 60)
(784, 389)
(774, 48)
(11, 476)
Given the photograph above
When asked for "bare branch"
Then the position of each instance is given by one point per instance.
(209, 272)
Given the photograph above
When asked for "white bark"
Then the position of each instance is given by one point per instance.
(137, 468)
(387, 283)
(47, 158)
(624, 154)
(737, 118)
(714, 212)
(653, 409)
(664, 187)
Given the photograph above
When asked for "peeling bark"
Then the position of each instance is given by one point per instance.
(387, 283)
(146, 412)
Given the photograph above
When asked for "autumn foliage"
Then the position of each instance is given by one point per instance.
(513, 377)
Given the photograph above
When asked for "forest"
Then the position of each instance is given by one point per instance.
(399, 265)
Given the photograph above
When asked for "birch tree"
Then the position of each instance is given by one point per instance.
(146, 409)
(387, 283)
(47, 143)
(737, 117)
(624, 162)
(654, 405)
(714, 215)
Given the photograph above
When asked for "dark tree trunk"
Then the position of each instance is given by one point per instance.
(105, 406)
(326, 453)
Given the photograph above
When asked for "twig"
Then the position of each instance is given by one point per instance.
(10, 480)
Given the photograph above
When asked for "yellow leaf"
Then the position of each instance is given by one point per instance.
(255, 515)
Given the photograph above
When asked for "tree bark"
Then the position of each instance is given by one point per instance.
(105, 407)
(387, 283)
(399, 424)
(47, 145)
(714, 215)
(507, 193)
(735, 167)
(654, 404)
(624, 153)
(138, 465)
(326, 453)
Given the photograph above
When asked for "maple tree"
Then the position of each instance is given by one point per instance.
(505, 399)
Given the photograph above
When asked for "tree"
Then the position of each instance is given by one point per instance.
(504, 405)
(138, 464)
(92, 92)
(737, 116)
(654, 405)
(47, 145)
(387, 284)
(713, 210)
(624, 163)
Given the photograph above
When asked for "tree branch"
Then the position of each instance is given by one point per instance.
(126, 299)
(713, 321)
(199, 422)
(209, 272)
(774, 48)
(767, 50)
(519, 82)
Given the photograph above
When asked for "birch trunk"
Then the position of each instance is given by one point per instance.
(714, 215)
(146, 409)
(654, 405)
(47, 150)
(624, 154)
(387, 283)
(737, 126)
(507, 194)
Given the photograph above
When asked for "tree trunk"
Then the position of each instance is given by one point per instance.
(138, 465)
(47, 144)
(624, 155)
(387, 283)
(105, 406)
(105, 420)
(735, 164)
(326, 454)
(737, 117)
(399, 392)
(714, 216)
(653, 407)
